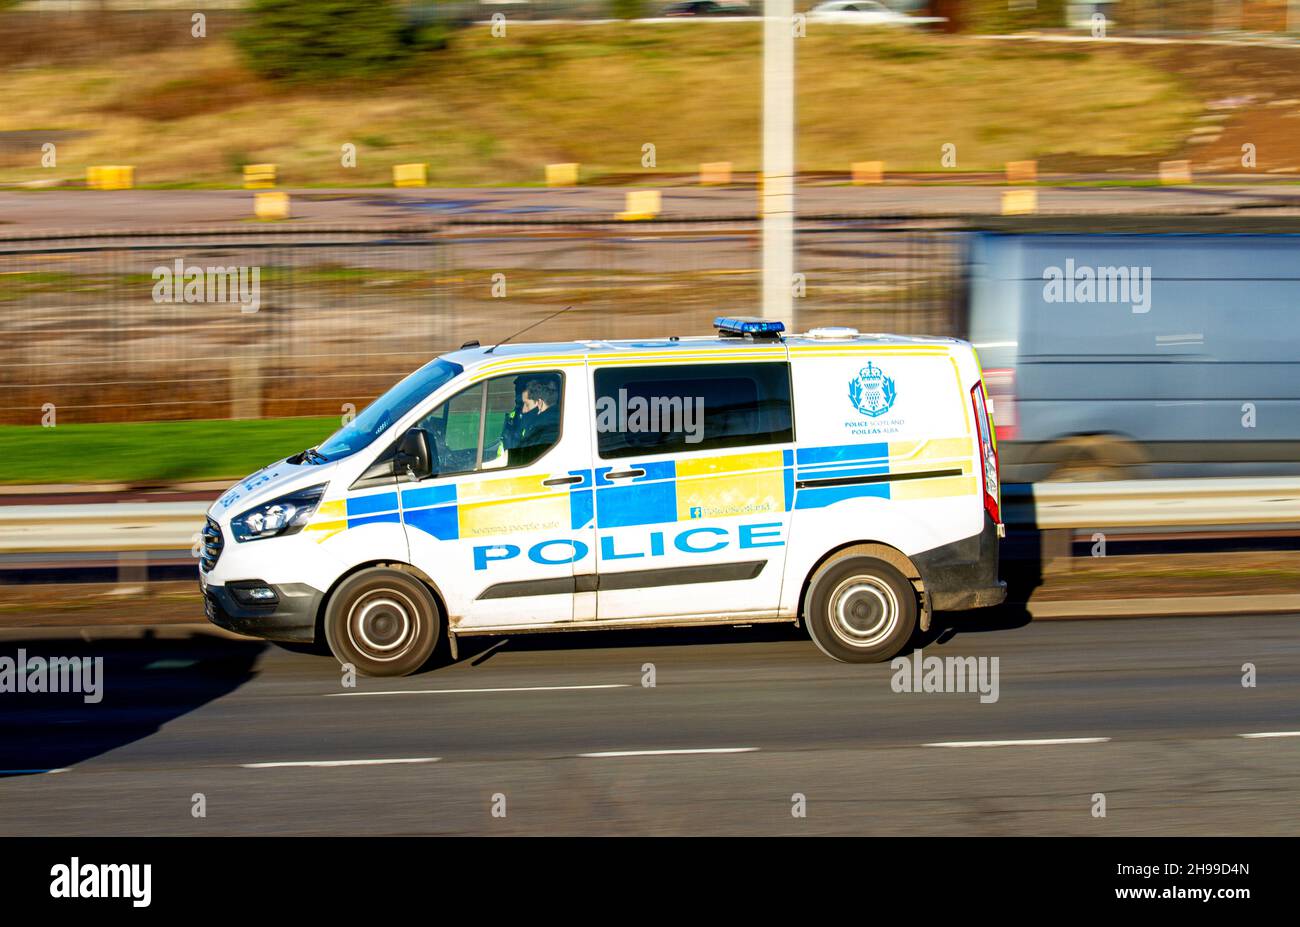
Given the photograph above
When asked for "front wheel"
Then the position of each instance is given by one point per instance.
(382, 621)
(860, 609)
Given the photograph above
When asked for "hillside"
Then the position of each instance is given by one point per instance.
(493, 111)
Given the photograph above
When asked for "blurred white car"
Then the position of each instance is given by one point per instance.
(865, 13)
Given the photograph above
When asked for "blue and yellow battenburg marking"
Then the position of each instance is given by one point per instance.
(885, 459)
(726, 485)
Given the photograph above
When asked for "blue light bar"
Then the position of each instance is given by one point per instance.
(747, 325)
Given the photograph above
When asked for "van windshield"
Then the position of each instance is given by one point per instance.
(388, 408)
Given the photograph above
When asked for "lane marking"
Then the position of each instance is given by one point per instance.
(1051, 742)
(1271, 734)
(616, 685)
(414, 759)
(32, 772)
(682, 752)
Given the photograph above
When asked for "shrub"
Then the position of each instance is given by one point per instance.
(627, 9)
(310, 40)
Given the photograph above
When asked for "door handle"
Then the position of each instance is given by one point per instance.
(624, 474)
(562, 480)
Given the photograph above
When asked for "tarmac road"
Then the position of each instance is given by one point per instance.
(1156, 708)
(28, 212)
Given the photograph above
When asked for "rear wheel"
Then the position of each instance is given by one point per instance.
(860, 609)
(382, 621)
(1095, 459)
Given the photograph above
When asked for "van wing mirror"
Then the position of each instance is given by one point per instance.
(412, 459)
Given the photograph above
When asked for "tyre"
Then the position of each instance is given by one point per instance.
(382, 621)
(860, 609)
(1095, 459)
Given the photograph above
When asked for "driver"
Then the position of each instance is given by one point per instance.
(538, 423)
(517, 420)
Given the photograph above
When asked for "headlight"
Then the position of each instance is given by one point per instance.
(279, 517)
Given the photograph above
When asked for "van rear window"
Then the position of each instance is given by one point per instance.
(691, 407)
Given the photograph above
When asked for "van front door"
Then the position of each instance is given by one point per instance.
(496, 523)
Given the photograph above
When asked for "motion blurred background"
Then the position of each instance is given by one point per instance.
(1101, 196)
(408, 176)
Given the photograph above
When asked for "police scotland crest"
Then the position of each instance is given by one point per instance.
(872, 393)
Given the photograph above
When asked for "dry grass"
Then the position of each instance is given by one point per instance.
(491, 111)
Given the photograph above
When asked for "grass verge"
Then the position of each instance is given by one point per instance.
(152, 452)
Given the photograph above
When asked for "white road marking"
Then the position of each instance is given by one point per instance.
(1021, 743)
(671, 752)
(616, 685)
(1271, 734)
(414, 759)
(26, 772)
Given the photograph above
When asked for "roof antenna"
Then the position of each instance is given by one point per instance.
(528, 329)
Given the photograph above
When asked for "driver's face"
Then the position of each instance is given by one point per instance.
(530, 404)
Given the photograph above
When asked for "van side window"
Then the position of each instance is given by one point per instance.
(504, 422)
(691, 407)
(453, 431)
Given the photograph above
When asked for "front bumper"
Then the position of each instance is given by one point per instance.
(291, 618)
(963, 574)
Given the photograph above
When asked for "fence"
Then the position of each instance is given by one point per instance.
(103, 328)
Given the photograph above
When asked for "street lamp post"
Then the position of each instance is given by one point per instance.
(777, 178)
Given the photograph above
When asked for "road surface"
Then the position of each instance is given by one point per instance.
(559, 735)
(27, 212)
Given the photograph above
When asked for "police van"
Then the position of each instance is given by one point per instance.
(845, 481)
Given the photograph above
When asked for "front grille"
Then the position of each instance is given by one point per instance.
(213, 542)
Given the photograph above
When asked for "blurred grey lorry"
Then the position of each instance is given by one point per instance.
(1124, 356)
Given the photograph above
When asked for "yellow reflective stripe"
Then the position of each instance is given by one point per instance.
(514, 516)
(965, 394)
(516, 487)
(926, 466)
(963, 485)
(729, 495)
(931, 450)
(321, 531)
(539, 364)
(842, 351)
(659, 360)
(728, 463)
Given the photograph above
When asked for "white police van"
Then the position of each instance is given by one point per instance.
(845, 480)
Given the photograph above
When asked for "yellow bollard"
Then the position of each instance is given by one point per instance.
(410, 175)
(715, 173)
(1022, 171)
(1175, 172)
(1019, 202)
(270, 206)
(639, 204)
(865, 172)
(259, 176)
(562, 175)
(110, 177)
